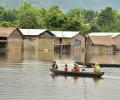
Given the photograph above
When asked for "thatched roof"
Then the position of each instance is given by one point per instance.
(5, 31)
(101, 40)
(111, 34)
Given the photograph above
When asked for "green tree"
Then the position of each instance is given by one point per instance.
(89, 15)
(74, 20)
(95, 28)
(27, 16)
(9, 15)
(40, 15)
(1, 13)
(72, 24)
(115, 27)
(106, 18)
(1, 10)
(54, 18)
(5, 24)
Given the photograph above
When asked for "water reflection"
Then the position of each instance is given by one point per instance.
(103, 58)
(96, 80)
(19, 56)
(38, 55)
(66, 58)
(65, 77)
(29, 77)
(11, 56)
(84, 83)
(78, 55)
(45, 56)
(15, 55)
(3, 57)
(82, 56)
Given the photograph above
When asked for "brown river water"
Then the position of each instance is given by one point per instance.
(25, 75)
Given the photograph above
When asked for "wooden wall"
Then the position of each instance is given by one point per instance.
(116, 41)
(46, 44)
(46, 35)
(81, 38)
(41, 42)
(15, 40)
(98, 48)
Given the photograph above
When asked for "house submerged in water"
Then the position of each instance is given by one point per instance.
(68, 40)
(38, 39)
(65, 41)
(10, 38)
(103, 42)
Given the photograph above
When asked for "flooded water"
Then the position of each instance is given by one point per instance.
(25, 75)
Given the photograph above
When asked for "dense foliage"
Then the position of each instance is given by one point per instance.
(106, 20)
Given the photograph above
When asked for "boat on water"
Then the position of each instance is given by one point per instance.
(76, 74)
(102, 65)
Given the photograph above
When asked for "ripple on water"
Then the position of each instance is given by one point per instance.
(32, 80)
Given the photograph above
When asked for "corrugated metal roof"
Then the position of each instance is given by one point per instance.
(65, 34)
(32, 31)
(104, 34)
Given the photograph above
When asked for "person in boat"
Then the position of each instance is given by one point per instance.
(97, 68)
(83, 70)
(65, 69)
(76, 68)
(54, 66)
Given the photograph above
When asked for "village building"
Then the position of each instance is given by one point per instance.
(38, 39)
(116, 40)
(68, 40)
(10, 39)
(102, 42)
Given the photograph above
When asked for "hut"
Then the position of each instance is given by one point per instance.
(68, 40)
(38, 39)
(116, 40)
(10, 38)
(46, 41)
(100, 42)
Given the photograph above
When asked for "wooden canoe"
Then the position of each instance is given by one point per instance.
(77, 74)
(102, 65)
